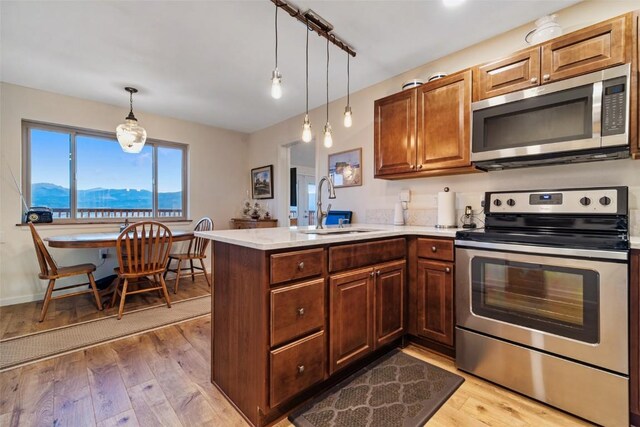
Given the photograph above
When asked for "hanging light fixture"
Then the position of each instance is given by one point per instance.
(276, 77)
(328, 139)
(348, 120)
(306, 126)
(130, 134)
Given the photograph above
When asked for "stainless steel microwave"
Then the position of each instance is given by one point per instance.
(584, 118)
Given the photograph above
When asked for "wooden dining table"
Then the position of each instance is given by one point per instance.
(101, 240)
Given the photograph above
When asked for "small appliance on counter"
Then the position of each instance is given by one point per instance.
(39, 214)
(467, 218)
(447, 209)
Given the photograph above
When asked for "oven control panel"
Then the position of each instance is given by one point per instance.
(576, 201)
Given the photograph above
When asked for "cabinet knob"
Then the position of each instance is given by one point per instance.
(447, 270)
(301, 311)
(419, 166)
(300, 369)
(301, 265)
(434, 249)
(534, 80)
(378, 273)
(546, 77)
(373, 273)
(412, 166)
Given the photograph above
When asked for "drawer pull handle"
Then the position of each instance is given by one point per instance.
(300, 369)
(447, 270)
(434, 249)
(301, 311)
(301, 265)
(546, 77)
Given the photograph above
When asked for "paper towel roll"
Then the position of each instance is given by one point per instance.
(446, 209)
(398, 215)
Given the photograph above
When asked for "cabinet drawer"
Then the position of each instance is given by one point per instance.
(296, 310)
(358, 255)
(296, 265)
(435, 249)
(296, 367)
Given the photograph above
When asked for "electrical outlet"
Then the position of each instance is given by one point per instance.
(103, 253)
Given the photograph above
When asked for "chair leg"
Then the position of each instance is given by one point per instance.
(168, 265)
(122, 298)
(47, 299)
(164, 291)
(115, 293)
(204, 269)
(175, 287)
(95, 291)
(193, 277)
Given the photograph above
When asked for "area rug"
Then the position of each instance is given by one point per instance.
(42, 345)
(396, 390)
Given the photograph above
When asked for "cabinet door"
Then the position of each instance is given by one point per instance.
(444, 122)
(516, 72)
(435, 301)
(389, 302)
(594, 48)
(634, 330)
(351, 317)
(395, 133)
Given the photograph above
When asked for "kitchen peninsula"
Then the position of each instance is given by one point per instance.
(294, 311)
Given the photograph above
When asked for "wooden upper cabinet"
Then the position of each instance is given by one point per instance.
(516, 72)
(593, 48)
(444, 117)
(395, 133)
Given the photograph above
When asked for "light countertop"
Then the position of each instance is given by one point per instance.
(290, 237)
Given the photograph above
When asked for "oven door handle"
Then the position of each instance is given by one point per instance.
(544, 250)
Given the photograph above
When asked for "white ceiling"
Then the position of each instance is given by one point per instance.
(211, 61)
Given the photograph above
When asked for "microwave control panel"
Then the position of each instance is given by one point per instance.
(614, 106)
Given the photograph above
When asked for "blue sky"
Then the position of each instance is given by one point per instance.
(101, 163)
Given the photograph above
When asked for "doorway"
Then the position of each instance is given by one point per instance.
(302, 167)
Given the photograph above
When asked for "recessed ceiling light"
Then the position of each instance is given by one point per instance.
(452, 3)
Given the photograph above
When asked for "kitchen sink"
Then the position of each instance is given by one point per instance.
(332, 231)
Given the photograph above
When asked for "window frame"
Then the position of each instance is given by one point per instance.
(73, 131)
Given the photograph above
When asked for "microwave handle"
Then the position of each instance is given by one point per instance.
(596, 110)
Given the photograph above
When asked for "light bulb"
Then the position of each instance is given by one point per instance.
(276, 84)
(306, 129)
(348, 120)
(328, 139)
(452, 3)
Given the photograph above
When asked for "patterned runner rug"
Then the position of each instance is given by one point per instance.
(42, 345)
(396, 390)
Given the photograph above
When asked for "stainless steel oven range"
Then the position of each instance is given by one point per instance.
(542, 299)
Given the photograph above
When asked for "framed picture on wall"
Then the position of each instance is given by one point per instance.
(262, 182)
(345, 168)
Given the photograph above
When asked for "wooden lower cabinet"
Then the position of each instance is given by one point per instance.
(435, 301)
(366, 311)
(634, 331)
(350, 317)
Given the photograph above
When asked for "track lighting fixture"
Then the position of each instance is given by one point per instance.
(306, 126)
(348, 119)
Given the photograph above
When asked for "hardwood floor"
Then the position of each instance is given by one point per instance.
(162, 378)
(21, 319)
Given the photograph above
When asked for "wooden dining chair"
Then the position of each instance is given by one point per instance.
(143, 251)
(197, 250)
(49, 270)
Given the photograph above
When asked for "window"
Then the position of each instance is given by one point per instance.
(85, 175)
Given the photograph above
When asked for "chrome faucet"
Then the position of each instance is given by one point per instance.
(320, 214)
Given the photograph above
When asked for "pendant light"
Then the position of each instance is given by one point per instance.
(306, 126)
(276, 77)
(130, 134)
(348, 120)
(328, 139)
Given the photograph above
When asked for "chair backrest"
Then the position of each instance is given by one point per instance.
(144, 247)
(198, 246)
(47, 265)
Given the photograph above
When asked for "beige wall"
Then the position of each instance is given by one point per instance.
(218, 178)
(378, 194)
